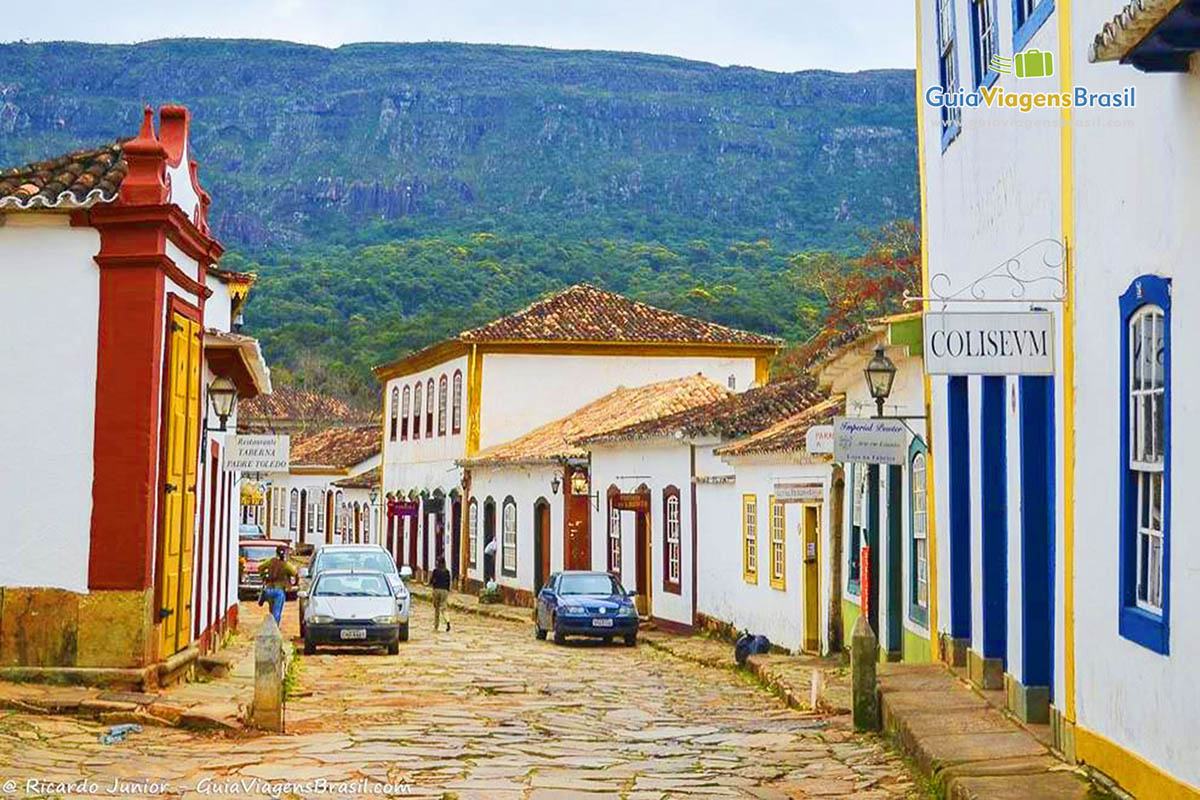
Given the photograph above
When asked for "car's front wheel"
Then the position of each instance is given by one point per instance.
(309, 648)
(559, 636)
(394, 649)
(404, 632)
(630, 639)
(538, 631)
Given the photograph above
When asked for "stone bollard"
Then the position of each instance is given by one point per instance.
(863, 654)
(270, 664)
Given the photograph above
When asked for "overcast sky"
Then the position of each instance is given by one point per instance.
(783, 35)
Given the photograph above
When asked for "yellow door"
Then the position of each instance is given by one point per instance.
(811, 533)
(179, 487)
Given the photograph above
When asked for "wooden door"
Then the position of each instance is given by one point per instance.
(810, 535)
(329, 520)
(303, 515)
(181, 443)
(642, 549)
(542, 538)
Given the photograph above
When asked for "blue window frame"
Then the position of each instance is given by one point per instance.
(858, 502)
(985, 39)
(947, 43)
(918, 533)
(1028, 16)
(1145, 478)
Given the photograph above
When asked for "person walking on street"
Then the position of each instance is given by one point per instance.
(440, 580)
(277, 574)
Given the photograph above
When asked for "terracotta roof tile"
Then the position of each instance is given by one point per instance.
(369, 479)
(584, 313)
(290, 407)
(68, 181)
(339, 448)
(786, 436)
(731, 417)
(560, 439)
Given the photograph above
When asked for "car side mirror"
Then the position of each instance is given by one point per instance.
(631, 592)
(406, 572)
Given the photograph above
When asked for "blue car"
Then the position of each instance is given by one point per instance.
(591, 604)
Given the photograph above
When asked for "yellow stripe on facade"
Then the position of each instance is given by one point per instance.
(1136, 776)
(1067, 183)
(381, 526)
(930, 504)
(474, 386)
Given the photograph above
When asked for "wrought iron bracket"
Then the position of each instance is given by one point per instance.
(1041, 265)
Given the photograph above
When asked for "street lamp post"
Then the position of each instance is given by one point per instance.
(880, 372)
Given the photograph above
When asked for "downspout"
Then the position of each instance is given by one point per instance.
(695, 536)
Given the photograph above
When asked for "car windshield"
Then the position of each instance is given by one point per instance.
(352, 586)
(258, 552)
(588, 584)
(356, 559)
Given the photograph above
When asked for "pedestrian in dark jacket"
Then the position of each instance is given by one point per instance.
(440, 580)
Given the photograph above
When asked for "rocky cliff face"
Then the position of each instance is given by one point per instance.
(301, 143)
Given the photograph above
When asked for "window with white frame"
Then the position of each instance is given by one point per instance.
(416, 426)
(778, 546)
(404, 410)
(672, 527)
(395, 419)
(508, 556)
(984, 39)
(1145, 540)
(473, 532)
(321, 514)
(750, 538)
(442, 392)
(1147, 402)
(456, 404)
(920, 539)
(293, 509)
(948, 68)
(429, 409)
(614, 539)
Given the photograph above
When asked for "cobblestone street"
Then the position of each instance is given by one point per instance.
(485, 711)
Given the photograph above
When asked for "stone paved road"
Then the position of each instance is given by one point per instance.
(484, 711)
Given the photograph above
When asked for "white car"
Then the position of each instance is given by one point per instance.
(351, 608)
(360, 558)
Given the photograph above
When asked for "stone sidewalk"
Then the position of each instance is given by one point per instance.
(201, 703)
(969, 748)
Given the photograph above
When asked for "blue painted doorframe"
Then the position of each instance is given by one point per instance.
(959, 439)
(895, 561)
(1037, 532)
(994, 480)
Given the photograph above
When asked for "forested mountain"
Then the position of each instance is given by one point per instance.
(388, 192)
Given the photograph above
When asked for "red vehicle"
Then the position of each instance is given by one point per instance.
(252, 553)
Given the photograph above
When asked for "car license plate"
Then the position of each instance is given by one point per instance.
(354, 633)
(602, 623)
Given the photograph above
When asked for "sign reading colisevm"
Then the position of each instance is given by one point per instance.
(869, 440)
(989, 343)
(257, 452)
(819, 439)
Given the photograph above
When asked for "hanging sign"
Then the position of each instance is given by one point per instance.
(819, 439)
(798, 493)
(257, 452)
(869, 440)
(989, 343)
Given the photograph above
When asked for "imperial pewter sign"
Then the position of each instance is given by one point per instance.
(869, 440)
(989, 343)
(257, 453)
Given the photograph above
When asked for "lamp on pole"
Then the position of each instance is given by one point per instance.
(880, 372)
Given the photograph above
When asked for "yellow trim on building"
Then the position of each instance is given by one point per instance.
(1067, 183)
(474, 387)
(381, 527)
(749, 511)
(762, 370)
(1135, 774)
(930, 499)
(776, 519)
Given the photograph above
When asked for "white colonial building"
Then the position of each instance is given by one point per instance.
(496, 383)
(120, 548)
(1063, 565)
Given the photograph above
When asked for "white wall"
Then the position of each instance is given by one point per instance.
(47, 416)
(658, 464)
(526, 485)
(565, 383)
(760, 607)
(1137, 175)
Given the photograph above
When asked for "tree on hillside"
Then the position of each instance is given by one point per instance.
(854, 289)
